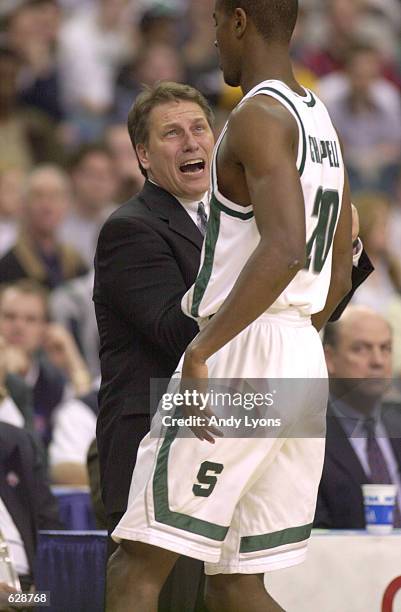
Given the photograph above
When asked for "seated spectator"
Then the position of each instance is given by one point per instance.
(71, 305)
(26, 503)
(152, 63)
(38, 253)
(383, 287)
(363, 442)
(27, 136)
(102, 35)
(129, 176)
(366, 110)
(74, 427)
(10, 207)
(32, 31)
(16, 402)
(343, 22)
(198, 52)
(49, 355)
(94, 183)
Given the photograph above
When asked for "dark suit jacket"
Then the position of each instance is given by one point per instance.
(147, 257)
(24, 488)
(340, 501)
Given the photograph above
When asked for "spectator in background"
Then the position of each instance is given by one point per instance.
(11, 201)
(153, 63)
(32, 31)
(49, 357)
(199, 54)
(94, 42)
(26, 503)
(384, 286)
(338, 28)
(11, 386)
(94, 185)
(129, 177)
(71, 305)
(382, 291)
(26, 135)
(159, 24)
(38, 253)
(74, 428)
(363, 442)
(366, 110)
(341, 22)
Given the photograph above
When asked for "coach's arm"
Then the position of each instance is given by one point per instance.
(360, 273)
(142, 281)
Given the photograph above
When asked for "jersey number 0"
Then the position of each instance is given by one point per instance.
(327, 204)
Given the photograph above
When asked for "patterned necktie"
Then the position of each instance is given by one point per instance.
(201, 218)
(379, 472)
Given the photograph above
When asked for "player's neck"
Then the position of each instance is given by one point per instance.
(259, 67)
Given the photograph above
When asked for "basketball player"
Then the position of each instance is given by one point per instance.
(276, 261)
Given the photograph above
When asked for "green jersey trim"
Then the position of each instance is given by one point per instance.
(292, 105)
(163, 514)
(213, 229)
(231, 212)
(312, 102)
(292, 535)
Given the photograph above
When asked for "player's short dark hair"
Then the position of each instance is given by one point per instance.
(274, 19)
(161, 93)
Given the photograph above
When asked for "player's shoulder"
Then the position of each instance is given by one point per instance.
(261, 109)
(261, 116)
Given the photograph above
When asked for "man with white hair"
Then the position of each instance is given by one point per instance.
(363, 430)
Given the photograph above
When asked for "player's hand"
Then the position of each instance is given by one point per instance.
(195, 378)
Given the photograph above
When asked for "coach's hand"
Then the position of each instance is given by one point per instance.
(195, 379)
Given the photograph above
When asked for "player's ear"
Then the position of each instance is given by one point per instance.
(143, 157)
(240, 22)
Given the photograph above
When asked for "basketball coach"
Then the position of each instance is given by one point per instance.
(147, 258)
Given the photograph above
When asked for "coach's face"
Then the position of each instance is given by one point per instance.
(178, 153)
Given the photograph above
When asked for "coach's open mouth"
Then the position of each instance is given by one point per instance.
(193, 166)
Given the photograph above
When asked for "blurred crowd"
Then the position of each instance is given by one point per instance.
(69, 72)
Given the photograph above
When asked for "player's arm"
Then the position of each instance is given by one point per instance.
(341, 269)
(262, 138)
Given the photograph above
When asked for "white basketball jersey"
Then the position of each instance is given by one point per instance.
(232, 234)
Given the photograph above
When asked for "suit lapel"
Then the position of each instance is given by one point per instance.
(167, 207)
(340, 450)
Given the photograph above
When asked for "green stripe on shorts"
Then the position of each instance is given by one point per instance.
(213, 229)
(163, 514)
(292, 535)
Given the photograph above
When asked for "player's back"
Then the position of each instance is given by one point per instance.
(232, 234)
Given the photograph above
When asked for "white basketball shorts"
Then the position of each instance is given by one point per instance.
(242, 505)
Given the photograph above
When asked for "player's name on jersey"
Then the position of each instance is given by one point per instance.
(231, 422)
(324, 149)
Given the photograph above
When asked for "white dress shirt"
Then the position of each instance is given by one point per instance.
(9, 413)
(191, 206)
(14, 541)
